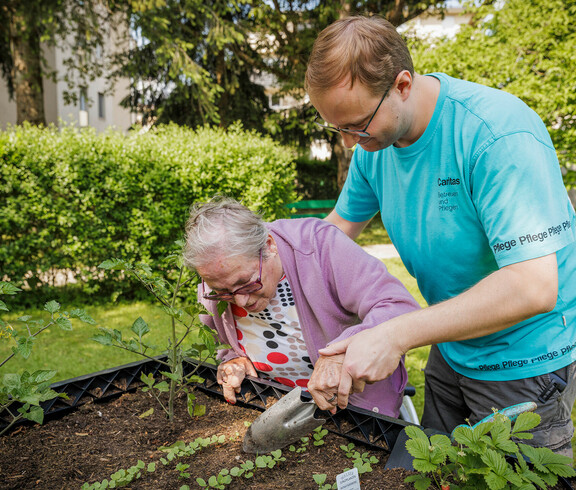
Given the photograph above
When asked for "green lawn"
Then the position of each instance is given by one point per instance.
(73, 354)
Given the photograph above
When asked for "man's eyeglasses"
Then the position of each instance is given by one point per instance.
(356, 132)
(249, 288)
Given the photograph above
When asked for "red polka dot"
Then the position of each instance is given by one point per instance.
(239, 334)
(302, 382)
(262, 366)
(277, 358)
(243, 349)
(239, 311)
(285, 381)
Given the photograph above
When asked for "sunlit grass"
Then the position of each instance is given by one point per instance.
(72, 353)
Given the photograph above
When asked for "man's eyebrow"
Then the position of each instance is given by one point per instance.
(361, 123)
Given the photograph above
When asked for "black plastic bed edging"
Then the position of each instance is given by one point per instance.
(369, 428)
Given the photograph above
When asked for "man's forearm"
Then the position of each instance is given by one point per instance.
(506, 297)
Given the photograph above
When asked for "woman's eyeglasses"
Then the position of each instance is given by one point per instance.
(249, 288)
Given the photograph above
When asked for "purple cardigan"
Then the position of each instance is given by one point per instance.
(339, 290)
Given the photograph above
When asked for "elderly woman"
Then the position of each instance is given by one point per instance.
(292, 287)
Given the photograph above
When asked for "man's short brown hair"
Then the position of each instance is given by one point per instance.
(368, 50)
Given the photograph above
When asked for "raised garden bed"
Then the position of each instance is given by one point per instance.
(106, 428)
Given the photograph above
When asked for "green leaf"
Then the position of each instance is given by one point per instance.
(222, 305)
(43, 375)
(52, 306)
(114, 264)
(82, 316)
(64, 323)
(172, 376)
(147, 413)
(495, 482)
(140, 327)
(163, 387)
(24, 346)
(3, 306)
(319, 479)
(420, 482)
(36, 414)
(8, 288)
(525, 421)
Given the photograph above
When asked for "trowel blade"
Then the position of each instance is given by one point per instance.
(283, 423)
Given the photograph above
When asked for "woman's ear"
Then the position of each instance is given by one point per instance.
(271, 247)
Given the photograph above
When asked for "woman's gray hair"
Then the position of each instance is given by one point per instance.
(222, 226)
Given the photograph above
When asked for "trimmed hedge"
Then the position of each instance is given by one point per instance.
(71, 198)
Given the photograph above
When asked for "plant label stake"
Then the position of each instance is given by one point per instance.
(285, 422)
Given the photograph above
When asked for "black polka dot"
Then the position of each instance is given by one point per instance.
(281, 333)
(272, 345)
(306, 359)
(310, 366)
(277, 326)
(268, 334)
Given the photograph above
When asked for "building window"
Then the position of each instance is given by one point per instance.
(83, 114)
(101, 106)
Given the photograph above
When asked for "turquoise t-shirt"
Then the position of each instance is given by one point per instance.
(481, 189)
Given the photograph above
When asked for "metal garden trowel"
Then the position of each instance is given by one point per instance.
(289, 419)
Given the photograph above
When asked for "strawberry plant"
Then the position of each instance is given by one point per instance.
(485, 456)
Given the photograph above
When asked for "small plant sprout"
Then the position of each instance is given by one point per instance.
(485, 456)
(318, 435)
(320, 480)
(362, 461)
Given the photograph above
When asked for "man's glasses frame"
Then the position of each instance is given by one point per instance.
(249, 288)
(355, 132)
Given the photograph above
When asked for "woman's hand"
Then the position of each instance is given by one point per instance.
(231, 374)
(324, 382)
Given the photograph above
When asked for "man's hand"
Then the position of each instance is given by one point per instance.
(359, 365)
(325, 381)
(231, 374)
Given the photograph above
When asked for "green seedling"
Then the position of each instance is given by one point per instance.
(320, 480)
(318, 436)
(362, 461)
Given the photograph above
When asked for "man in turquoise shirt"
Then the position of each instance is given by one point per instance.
(470, 191)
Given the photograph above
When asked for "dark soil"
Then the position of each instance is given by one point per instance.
(99, 439)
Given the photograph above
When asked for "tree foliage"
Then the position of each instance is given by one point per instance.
(525, 48)
(79, 29)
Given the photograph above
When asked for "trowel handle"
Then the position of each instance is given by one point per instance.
(511, 412)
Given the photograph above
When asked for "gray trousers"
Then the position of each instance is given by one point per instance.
(451, 398)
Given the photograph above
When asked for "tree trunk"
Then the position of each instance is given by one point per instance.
(26, 72)
(342, 155)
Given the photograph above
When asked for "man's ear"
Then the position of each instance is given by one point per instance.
(404, 83)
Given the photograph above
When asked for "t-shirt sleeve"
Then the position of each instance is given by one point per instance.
(519, 195)
(357, 201)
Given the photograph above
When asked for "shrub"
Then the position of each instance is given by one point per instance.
(72, 198)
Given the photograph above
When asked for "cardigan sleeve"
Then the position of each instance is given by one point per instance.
(359, 282)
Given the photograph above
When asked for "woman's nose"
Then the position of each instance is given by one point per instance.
(241, 299)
